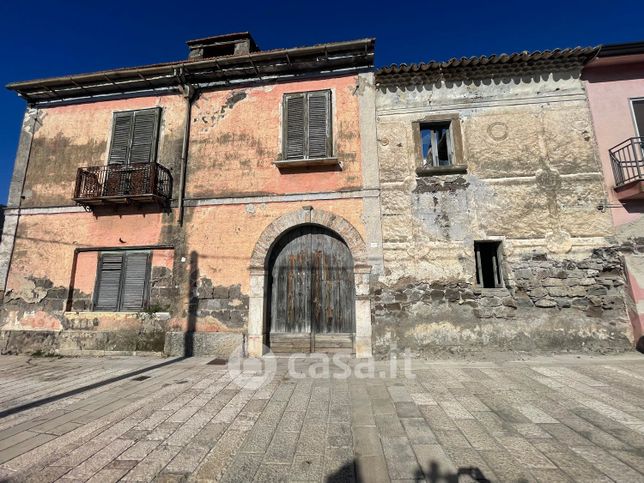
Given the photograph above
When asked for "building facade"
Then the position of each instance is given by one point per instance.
(146, 204)
(297, 199)
(614, 82)
(490, 187)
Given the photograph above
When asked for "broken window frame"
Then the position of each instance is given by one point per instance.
(498, 276)
(457, 164)
(119, 305)
(433, 129)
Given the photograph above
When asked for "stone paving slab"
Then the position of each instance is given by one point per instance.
(563, 418)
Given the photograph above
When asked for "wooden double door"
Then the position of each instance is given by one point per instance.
(312, 293)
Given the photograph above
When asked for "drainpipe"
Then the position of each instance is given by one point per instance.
(189, 94)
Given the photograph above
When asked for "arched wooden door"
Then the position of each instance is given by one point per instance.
(311, 292)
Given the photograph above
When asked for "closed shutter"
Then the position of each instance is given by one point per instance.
(109, 281)
(307, 121)
(318, 124)
(134, 281)
(121, 282)
(121, 133)
(134, 136)
(144, 136)
(294, 133)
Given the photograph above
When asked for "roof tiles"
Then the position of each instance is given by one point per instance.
(502, 65)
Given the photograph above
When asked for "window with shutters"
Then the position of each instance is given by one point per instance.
(134, 136)
(307, 125)
(121, 281)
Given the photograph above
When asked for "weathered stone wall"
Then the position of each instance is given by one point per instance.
(549, 304)
(225, 304)
(533, 182)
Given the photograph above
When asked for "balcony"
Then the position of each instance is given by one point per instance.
(123, 184)
(627, 160)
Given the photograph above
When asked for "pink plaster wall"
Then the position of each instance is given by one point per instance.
(610, 84)
(609, 88)
(85, 277)
(163, 258)
(233, 144)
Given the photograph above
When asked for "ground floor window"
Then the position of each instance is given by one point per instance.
(489, 272)
(122, 281)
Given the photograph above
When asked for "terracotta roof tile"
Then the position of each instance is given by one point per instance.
(484, 66)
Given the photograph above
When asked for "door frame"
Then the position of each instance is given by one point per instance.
(258, 317)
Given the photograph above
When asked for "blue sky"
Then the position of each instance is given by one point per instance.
(48, 38)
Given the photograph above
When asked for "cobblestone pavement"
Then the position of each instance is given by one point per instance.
(541, 419)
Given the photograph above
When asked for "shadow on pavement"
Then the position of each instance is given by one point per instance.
(351, 472)
(94, 385)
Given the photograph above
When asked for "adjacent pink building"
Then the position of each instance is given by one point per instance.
(614, 82)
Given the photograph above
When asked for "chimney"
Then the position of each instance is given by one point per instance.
(222, 45)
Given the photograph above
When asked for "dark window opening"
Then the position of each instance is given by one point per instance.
(219, 50)
(489, 272)
(122, 281)
(638, 113)
(436, 141)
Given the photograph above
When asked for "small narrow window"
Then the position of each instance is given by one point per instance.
(437, 146)
(121, 281)
(638, 114)
(134, 136)
(307, 125)
(489, 272)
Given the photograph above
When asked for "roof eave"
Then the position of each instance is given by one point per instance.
(617, 50)
(103, 82)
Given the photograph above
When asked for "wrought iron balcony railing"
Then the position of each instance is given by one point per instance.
(627, 159)
(117, 183)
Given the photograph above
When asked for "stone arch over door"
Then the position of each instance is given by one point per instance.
(257, 317)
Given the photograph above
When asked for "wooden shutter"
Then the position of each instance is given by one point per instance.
(294, 134)
(121, 133)
(318, 124)
(134, 281)
(108, 281)
(144, 136)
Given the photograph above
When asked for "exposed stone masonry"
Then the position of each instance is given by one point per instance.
(226, 304)
(593, 285)
(162, 291)
(41, 304)
(542, 294)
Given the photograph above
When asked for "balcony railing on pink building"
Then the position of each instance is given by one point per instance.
(117, 183)
(627, 159)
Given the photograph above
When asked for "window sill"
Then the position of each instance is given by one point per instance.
(498, 291)
(306, 163)
(113, 313)
(441, 170)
